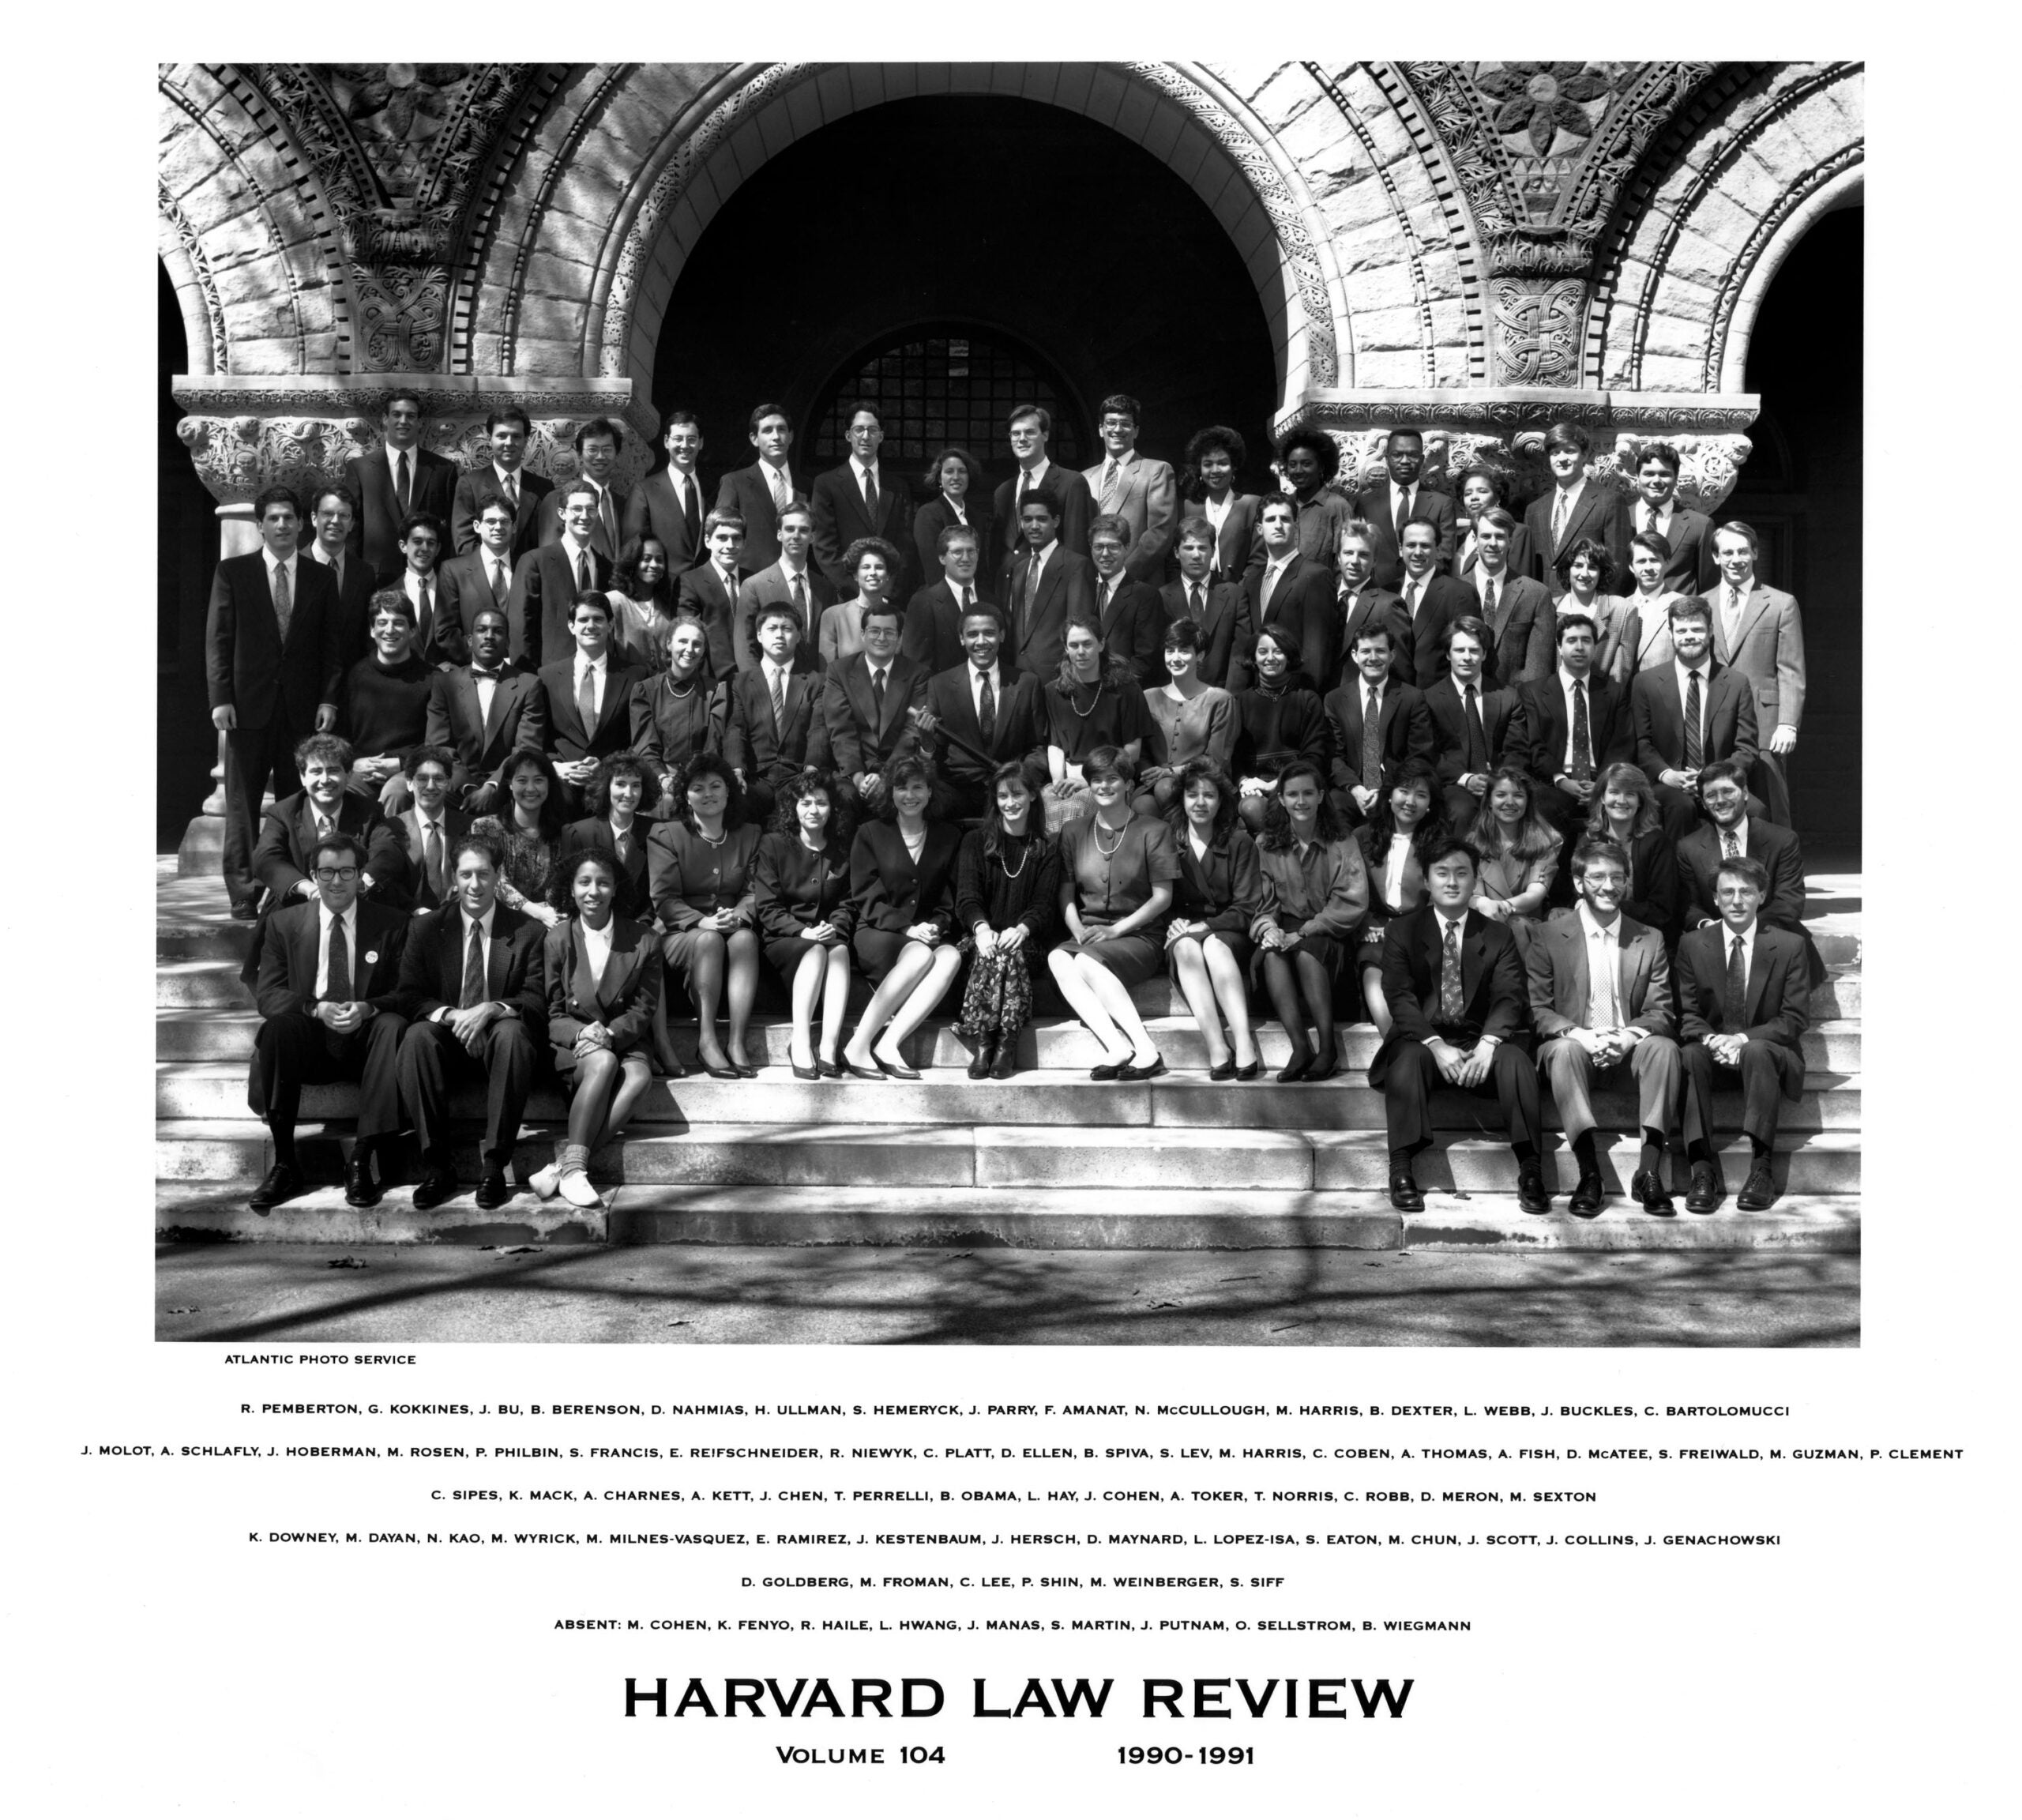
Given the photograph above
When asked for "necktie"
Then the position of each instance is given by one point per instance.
(1732, 616)
(401, 482)
(779, 490)
(473, 993)
(1583, 748)
(432, 859)
(1109, 486)
(621, 838)
(1404, 512)
(1560, 506)
(1695, 753)
(689, 513)
(1730, 844)
(513, 493)
(1372, 742)
(1477, 738)
(336, 984)
(284, 599)
(422, 617)
(1602, 999)
(878, 695)
(1488, 599)
(1031, 592)
(987, 711)
(1450, 1001)
(1195, 607)
(1649, 517)
(1412, 601)
(608, 519)
(585, 579)
(964, 601)
(800, 602)
(322, 824)
(870, 494)
(499, 584)
(1734, 1002)
(778, 702)
(1264, 593)
(586, 698)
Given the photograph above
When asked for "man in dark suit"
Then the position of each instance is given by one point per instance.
(1388, 507)
(861, 498)
(1575, 507)
(1600, 991)
(1742, 1001)
(1293, 591)
(776, 728)
(327, 996)
(1359, 602)
(933, 636)
(1029, 427)
(507, 475)
(429, 826)
(480, 578)
(598, 444)
(987, 714)
(713, 592)
(1459, 1014)
(1516, 611)
(332, 515)
(397, 479)
(1128, 614)
(1431, 601)
(1729, 832)
(865, 703)
(1689, 568)
(759, 494)
(1471, 722)
(588, 699)
(1758, 631)
(326, 804)
(794, 581)
(1367, 751)
(1049, 586)
(273, 666)
(483, 710)
(1220, 609)
(438, 640)
(547, 580)
(669, 503)
(472, 992)
(1687, 713)
(1575, 724)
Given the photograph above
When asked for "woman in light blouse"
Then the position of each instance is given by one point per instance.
(699, 869)
(1626, 810)
(1519, 850)
(956, 494)
(1094, 702)
(1411, 817)
(1190, 719)
(1320, 889)
(875, 564)
(802, 876)
(1219, 894)
(1278, 718)
(1117, 871)
(1007, 888)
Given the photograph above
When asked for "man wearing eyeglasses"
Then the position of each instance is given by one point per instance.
(328, 973)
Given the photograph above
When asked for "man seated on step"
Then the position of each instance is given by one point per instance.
(327, 996)
(1601, 999)
(1459, 1012)
(864, 703)
(1734, 824)
(473, 994)
(1743, 994)
(775, 728)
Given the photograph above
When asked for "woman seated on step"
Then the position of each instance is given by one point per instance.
(1219, 894)
(803, 878)
(1519, 851)
(1278, 718)
(1007, 891)
(1094, 701)
(529, 832)
(1410, 817)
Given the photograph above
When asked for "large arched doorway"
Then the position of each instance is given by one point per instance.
(185, 553)
(1801, 491)
(1024, 232)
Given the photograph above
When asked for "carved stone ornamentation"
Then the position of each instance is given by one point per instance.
(1709, 466)
(1538, 325)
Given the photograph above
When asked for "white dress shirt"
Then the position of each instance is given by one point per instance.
(1740, 831)
(487, 686)
(484, 924)
(859, 470)
(1274, 573)
(286, 562)
(1658, 520)
(1217, 515)
(1393, 869)
(1482, 578)
(1603, 970)
(324, 918)
(1747, 952)
(996, 675)
(778, 481)
(596, 947)
(510, 485)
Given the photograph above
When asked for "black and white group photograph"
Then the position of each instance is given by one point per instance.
(1010, 703)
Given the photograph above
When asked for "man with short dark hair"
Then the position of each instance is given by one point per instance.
(713, 590)
(1028, 427)
(865, 705)
(1431, 601)
(1128, 614)
(385, 710)
(774, 728)
(397, 479)
(598, 444)
(507, 475)
(1400, 497)
(1459, 1008)
(548, 580)
(1049, 586)
(669, 503)
(1374, 723)
(795, 581)
(1743, 997)
(1471, 722)
(987, 714)
(1291, 591)
(761, 494)
(1575, 724)
(1600, 992)
(588, 697)
(331, 519)
(1689, 713)
(1731, 830)
(933, 633)
(1690, 568)
(1124, 484)
(325, 804)
(1575, 507)
(861, 498)
(438, 640)
(1758, 631)
(1218, 608)
(1516, 611)
(327, 995)
(483, 710)
(482, 577)
(431, 824)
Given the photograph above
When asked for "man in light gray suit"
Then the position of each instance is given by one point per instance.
(1758, 631)
(1139, 492)
(795, 581)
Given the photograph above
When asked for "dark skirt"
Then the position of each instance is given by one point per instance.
(1330, 951)
(1133, 958)
(877, 951)
(1239, 945)
(678, 946)
(784, 954)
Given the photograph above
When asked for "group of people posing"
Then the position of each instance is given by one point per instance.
(1350, 754)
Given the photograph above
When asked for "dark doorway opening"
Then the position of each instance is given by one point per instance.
(1020, 228)
(186, 552)
(1801, 491)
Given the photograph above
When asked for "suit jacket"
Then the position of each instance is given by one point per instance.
(1403, 728)
(1036, 638)
(421, 894)
(1226, 634)
(1691, 569)
(1374, 503)
(1302, 601)
(600, 541)
(749, 493)
(934, 517)
(1657, 714)
(432, 966)
(1779, 849)
(247, 666)
(668, 729)
(1520, 629)
(287, 844)
(1234, 543)
(463, 590)
(651, 509)
(1133, 630)
(1494, 995)
(1768, 650)
(1441, 600)
(859, 740)
(518, 718)
(567, 737)
(1148, 501)
(1600, 513)
(1021, 719)
(1539, 747)
(287, 977)
(375, 507)
(1555, 960)
(1077, 506)
(1517, 558)
(544, 591)
(1372, 606)
(622, 1001)
(770, 588)
(355, 594)
(472, 484)
(840, 519)
(1776, 1009)
(595, 833)
(703, 594)
(760, 746)
(1447, 713)
(933, 634)
(889, 891)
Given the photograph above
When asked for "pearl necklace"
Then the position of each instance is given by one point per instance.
(1110, 852)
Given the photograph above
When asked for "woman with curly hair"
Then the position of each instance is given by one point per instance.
(1094, 701)
(1007, 883)
(1214, 457)
(1519, 851)
(801, 880)
(683, 711)
(902, 898)
(699, 868)
(1481, 490)
(1626, 810)
(1277, 719)
(619, 796)
(1583, 573)
(1309, 458)
(604, 983)
(642, 596)
(1219, 894)
(956, 492)
(877, 566)
(1319, 887)
(1409, 818)
(1190, 719)
(529, 832)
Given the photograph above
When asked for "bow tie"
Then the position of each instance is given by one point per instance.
(492, 675)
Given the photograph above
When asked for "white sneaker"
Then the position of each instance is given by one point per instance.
(544, 1182)
(575, 1189)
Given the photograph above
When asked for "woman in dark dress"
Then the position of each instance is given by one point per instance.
(1190, 719)
(619, 798)
(803, 878)
(956, 493)
(1278, 718)
(699, 866)
(529, 833)
(1093, 702)
(1116, 872)
(682, 711)
(1314, 872)
(1411, 817)
(902, 894)
(1007, 885)
(1626, 808)
(603, 981)
(1219, 894)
